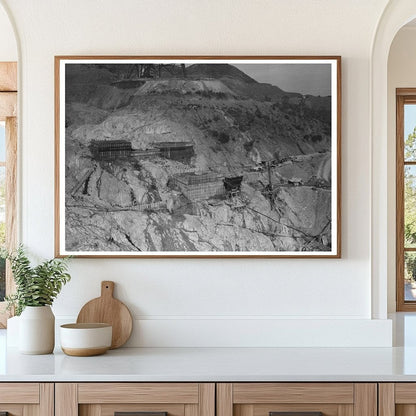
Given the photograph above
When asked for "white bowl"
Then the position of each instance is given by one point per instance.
(84, 340)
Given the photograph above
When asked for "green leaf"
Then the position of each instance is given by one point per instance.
(35, 286)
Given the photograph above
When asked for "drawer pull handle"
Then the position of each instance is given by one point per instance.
(140, 414)
(295, 413)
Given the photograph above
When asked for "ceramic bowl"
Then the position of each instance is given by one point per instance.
(83, 340)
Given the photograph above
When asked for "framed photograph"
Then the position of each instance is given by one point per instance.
(206, 156)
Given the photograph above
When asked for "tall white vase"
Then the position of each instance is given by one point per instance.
(37, 330)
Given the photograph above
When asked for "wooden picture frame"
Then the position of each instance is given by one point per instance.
(198, 156)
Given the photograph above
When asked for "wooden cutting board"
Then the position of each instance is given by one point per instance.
(108, 310)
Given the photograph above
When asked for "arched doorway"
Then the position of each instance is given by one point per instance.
(396, 15)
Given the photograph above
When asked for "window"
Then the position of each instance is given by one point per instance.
(406, 199)
(8, 166)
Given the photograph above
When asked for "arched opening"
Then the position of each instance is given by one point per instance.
(383, 243)
(401, 93)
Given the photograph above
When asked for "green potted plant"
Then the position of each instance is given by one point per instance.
(36, 289)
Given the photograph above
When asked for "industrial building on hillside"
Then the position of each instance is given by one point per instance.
(110, 149)
(197, 187)
(180, 151)
(118, 149)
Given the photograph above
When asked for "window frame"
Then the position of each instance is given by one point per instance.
(8, 113)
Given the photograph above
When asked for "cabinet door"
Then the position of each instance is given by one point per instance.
(141, 399)
(297, 399)
(26, 399)
(397, 399)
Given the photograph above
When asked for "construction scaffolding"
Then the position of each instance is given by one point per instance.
(179, 151)
(197, 187)
(110, 149)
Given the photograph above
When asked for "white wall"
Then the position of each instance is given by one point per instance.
(203, 298)
(401, 74)
(8, 47)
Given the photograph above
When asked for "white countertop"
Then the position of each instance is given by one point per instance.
(215, 364)
(222, 364)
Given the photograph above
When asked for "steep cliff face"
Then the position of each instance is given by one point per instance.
(281, 150)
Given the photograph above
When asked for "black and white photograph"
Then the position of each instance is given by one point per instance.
(205, 157)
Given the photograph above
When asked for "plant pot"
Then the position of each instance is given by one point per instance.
(37, 330)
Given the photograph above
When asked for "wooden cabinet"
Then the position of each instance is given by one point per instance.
(222, 399)
(208, 399)
(264, 399)
(397, 399)
(27, 399)
(106, 399)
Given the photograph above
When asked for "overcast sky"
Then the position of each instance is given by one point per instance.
(314, 79)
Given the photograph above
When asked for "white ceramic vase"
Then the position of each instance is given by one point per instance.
(37, 330)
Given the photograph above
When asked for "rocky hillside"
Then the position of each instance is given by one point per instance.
(279, 142)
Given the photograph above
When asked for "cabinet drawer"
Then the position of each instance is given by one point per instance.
(147, 399)
(296, 399)
(138, 393)
(19, 393)
(21, 399)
